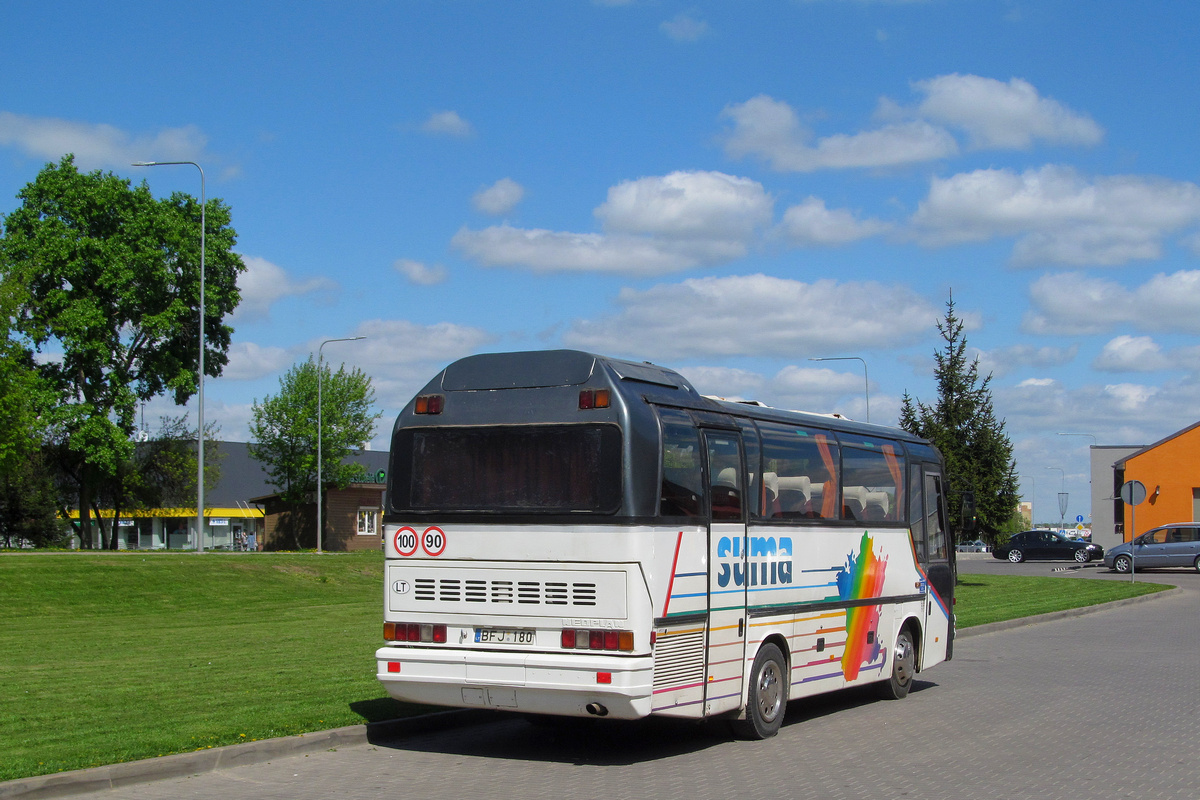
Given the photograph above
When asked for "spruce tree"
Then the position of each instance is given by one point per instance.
(962, 424)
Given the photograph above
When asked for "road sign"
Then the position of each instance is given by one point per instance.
(1133, 492)
(1079, 518)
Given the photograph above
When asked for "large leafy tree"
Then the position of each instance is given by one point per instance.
(963, 425)
(111, 278)
(284, 432)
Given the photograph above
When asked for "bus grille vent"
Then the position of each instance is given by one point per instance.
(566, 592)
(550, 593)
(679, 659)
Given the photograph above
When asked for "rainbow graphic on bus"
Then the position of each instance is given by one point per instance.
(861, 579)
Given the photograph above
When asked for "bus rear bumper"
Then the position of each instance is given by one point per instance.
(542, 683)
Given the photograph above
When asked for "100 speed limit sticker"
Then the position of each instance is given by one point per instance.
(432, 541)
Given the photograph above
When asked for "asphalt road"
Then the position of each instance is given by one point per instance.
(1102, 705)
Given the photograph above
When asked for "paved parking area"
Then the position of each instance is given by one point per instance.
(1097, 706)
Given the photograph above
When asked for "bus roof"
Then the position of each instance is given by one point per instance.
(641, 380)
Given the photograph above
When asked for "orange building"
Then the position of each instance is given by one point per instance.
(1170, 470)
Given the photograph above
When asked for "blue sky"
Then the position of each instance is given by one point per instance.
(729, 189)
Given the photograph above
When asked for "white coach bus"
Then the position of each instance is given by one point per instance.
(570, 534)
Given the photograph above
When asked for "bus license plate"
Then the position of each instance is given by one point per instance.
(504, 635)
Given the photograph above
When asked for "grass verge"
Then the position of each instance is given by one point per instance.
(111, 657)
(995, 598)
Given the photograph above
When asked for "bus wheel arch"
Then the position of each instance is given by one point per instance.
(767, 692)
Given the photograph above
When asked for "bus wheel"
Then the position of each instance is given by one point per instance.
(768, 696)
(904, 666)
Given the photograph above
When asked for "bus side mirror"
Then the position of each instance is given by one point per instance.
(969, 521)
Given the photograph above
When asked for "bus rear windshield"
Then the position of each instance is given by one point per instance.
(540, 469)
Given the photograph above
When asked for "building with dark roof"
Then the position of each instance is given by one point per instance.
(242, 511)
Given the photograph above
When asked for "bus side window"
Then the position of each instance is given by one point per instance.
(935, 524)
(682, 477)
(756, 489)
(916, 511)
(725, 469)
(802, 467)
(872, 480)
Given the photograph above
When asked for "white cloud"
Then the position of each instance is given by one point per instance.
(811, 222)
(553, 251)
(1005, 360)
(419, 273)
(770, 129)
(727, 382)
(999, 115)
(684, 27)
(1120, 413)
(249, 361)
(992, 114)
(1130, 397)
(1072, 303)
(1057, 215)
(688, 206)
(447, 123)
(99, 145)
(652, 226)
(1131, 354)
(756, 315)
(392, 343)
(263, 284)
(499, 198)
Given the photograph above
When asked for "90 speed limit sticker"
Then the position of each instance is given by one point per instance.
(432, 540)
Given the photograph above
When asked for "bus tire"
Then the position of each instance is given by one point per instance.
(904, 667)
(766, 703)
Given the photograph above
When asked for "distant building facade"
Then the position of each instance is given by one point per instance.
(1170, 471)
(242, 510)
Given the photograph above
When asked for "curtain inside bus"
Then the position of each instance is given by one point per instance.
(515, 469)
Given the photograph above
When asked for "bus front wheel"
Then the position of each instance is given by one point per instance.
(767, 701)
(904, 667)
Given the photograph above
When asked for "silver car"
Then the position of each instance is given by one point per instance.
(1175, 545)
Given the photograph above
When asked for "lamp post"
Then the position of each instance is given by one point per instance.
(1033, 500)
(200, 383)
(866, 380)
(320, 476)
(1095, 443)
(1062, 498)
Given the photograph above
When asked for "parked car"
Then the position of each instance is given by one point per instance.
(1176, 545)
(1046, 545)
(977, 546)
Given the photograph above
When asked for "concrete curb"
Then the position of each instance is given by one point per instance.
(179, 765)
(1020, 622)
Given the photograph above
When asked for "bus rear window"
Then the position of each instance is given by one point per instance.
(526, 469)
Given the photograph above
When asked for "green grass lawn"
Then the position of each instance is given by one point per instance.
(116, 657)
(995, 598)
(109, 657)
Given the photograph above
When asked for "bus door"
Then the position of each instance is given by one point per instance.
(938, 563)
(727, 544)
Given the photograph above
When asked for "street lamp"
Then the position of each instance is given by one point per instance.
(1062, 499)
(1095, 443)
(200, 390)
(320, 375)
(866, 380)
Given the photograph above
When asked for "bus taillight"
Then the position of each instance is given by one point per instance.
(429, 404)
(594, 398)
(414, 632)
(573, 639)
